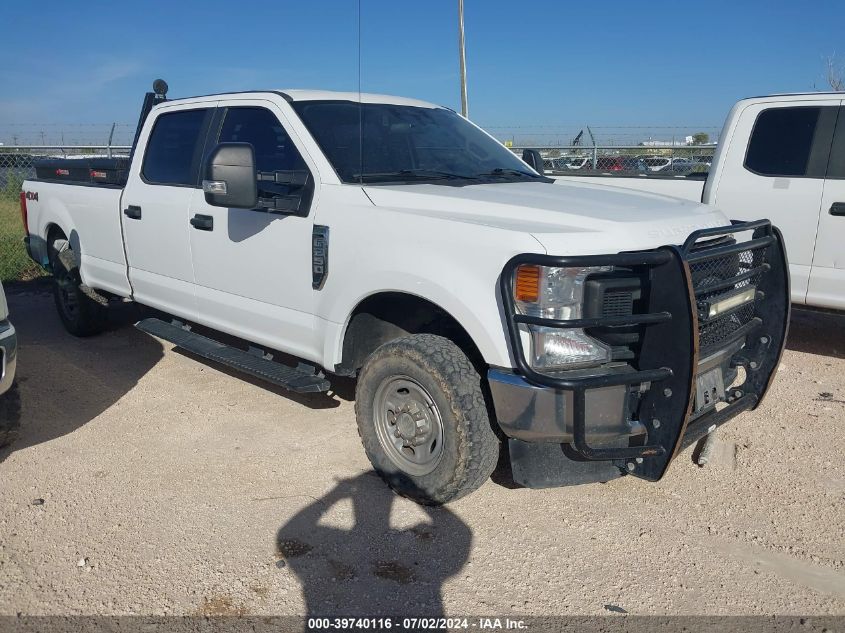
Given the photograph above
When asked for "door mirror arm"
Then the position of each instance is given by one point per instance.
(283, 205)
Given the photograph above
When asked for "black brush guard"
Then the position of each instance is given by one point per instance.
(666, 366)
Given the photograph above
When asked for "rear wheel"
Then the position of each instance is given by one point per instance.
(79, 313)
(423, 419)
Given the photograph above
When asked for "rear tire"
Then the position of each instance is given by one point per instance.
(81, 315)
(423, 419)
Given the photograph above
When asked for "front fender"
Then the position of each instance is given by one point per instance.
(454, 265)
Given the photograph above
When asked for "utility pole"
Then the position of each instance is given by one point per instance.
(462, 52)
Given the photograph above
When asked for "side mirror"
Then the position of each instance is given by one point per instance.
(230, 177)
(532, 158)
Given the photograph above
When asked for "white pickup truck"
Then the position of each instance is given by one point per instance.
(781, 157)
(599, 331)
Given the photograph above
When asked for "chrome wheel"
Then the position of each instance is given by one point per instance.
(408, 425)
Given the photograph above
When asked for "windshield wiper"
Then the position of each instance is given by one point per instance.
(500, 171)
(405, 175)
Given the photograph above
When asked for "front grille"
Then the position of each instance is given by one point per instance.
(719, 277)
(715, 275)
(722, 329)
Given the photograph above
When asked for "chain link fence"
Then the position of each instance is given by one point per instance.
(627, 160)
(65, 134)
(17, 163)
(678, 150)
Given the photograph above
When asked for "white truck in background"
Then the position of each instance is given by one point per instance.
(600, 331)
(780, 157)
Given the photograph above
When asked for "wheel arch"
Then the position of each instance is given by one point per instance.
(386, 315)
(53, 231)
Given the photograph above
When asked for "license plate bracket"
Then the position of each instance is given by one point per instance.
(709, 389)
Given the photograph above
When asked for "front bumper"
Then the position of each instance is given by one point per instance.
(638, 415)
(8, 355)
(534, 413)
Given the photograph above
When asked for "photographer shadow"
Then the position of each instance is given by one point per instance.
(365, 567)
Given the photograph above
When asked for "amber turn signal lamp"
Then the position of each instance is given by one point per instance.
(527, 286)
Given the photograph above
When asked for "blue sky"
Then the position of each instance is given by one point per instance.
(530, 64)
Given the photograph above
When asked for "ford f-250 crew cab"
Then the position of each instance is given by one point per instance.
(598, 330)
(781, 157)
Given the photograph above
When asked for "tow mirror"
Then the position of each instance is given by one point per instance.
(532, 158)
(230, 177)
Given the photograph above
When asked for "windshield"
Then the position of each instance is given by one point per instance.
(406, 144)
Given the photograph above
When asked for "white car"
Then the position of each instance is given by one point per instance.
(657, 163)
(578, 162)
(392, 240)
(8, 346)
(9, 399)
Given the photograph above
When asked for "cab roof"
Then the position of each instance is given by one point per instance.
(365, 97)
(296, 95)
(796, 96)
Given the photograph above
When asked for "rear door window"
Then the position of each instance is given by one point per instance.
(175, 148)
(782, 142)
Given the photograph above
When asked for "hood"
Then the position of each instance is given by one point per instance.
(566, 218)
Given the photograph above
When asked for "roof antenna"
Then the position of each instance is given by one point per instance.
(463, 60)
(360, 107)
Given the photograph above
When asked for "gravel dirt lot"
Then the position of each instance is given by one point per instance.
(171, 486)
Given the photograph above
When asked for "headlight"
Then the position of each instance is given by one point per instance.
(556, 293)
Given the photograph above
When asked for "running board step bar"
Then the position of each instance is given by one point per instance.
(291, 378)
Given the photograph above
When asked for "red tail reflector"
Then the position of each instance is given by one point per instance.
(24, 218)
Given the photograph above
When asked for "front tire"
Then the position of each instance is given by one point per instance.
(79, 313)
(423, 419)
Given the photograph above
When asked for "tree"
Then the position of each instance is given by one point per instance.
(700, 138)
(835, 75)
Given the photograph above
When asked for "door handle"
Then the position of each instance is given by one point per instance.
(203, 222)
(837, 208)
(132, 211)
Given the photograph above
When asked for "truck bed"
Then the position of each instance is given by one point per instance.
(90, 216)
